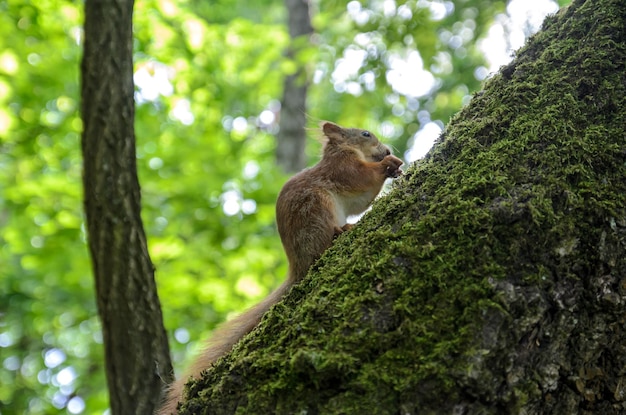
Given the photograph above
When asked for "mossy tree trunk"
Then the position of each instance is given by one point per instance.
(491, 280)
(135, 342)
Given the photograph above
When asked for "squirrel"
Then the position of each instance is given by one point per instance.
(311, 211)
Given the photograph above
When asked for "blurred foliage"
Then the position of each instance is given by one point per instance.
(209, 78)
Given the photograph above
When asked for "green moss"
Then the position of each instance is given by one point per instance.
(472, 287)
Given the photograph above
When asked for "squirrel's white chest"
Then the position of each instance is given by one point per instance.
(350, 205)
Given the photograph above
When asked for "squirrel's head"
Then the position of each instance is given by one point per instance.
(363, 141)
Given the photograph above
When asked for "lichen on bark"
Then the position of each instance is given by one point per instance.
(492, 278)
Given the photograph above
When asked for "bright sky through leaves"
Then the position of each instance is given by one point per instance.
(523, 18)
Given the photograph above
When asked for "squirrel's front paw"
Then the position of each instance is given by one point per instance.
(392, 165)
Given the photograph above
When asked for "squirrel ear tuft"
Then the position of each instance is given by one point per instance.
(332, 131)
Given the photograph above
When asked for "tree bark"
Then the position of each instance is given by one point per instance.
(491, 280)
(291, 138)
(136, 348)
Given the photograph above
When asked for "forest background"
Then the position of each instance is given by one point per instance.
(209, 80)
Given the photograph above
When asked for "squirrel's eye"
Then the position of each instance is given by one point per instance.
(366, 134)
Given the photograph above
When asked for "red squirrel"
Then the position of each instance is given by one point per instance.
(311, 211)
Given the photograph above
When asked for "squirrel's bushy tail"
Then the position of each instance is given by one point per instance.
(222, 340)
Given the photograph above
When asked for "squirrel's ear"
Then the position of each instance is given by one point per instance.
(332, 131)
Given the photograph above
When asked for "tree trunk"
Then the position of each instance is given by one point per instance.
(136, 349)
(491, 280)
(291, 138)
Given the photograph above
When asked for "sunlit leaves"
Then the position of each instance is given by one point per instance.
(46, 302)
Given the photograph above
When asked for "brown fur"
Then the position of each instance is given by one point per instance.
(311, 211)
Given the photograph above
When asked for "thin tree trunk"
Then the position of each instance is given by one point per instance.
(291, 138)
(136, 348)
(491, 280)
